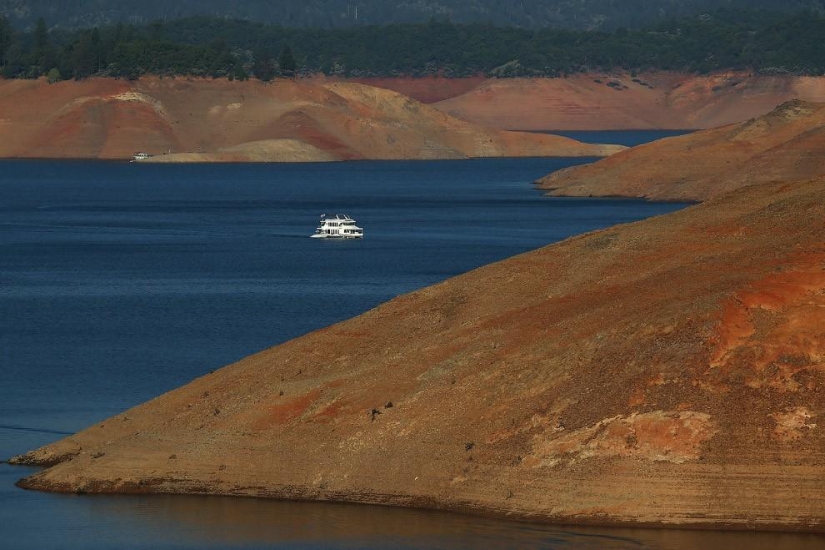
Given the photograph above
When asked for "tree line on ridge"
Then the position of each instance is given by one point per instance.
(760, 41)
(602, 15)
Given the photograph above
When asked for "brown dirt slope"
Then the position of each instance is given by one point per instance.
(562, 385)
(786, 144)
(426, 89)
(217, 120)
(270, 150)
(625, 102)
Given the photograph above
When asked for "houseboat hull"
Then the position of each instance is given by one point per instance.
(325, 236)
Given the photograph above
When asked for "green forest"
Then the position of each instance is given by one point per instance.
(605, 15)
(760, 41)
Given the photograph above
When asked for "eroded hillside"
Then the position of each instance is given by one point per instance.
(618, 101)
(666, 372)
(218, 120)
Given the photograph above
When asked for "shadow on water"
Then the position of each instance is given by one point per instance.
(34, 430)
(229, 522)
(224, 521)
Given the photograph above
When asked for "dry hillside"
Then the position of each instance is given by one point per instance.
(218, 120)
(786, 144)
(617, 101)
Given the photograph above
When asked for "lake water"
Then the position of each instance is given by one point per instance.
(121, 281)
(620, 137)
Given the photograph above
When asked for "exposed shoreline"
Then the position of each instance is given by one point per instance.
(414, 502)
(321, 118)
(204, 120)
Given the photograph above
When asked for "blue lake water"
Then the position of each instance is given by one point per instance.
(121, 281)
(620, 137)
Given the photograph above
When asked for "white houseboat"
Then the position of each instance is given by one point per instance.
(339, 226)
(140, 156)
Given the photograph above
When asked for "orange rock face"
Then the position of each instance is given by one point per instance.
(215, 120)
(786, 144)
(666, 372)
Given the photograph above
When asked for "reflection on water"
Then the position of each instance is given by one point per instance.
(252, 523)
(726, 540)
(237, 521)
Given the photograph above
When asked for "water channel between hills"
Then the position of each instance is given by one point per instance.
(122, 281)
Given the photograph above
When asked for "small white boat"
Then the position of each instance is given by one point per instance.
(339, 226)
(140, 156)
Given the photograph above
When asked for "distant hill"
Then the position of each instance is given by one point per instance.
(784, 145)
(573, 14)
(284, 121)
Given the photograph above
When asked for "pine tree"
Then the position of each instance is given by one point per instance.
(5, 38)
(40, 56)
(83, 56)
(286, 61)
(262, 65)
